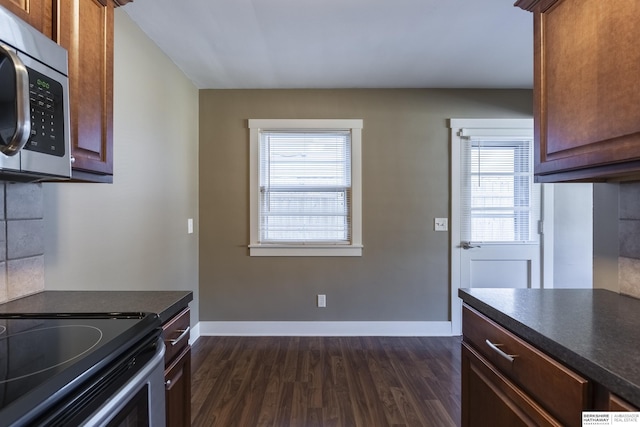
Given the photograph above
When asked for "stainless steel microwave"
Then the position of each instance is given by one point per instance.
(35, 142)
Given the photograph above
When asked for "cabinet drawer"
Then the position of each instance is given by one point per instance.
(618, 404)
(564, 393)
(175, 334)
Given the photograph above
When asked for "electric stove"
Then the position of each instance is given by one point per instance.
(45, 359)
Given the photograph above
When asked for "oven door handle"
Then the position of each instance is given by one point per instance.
(23, 106)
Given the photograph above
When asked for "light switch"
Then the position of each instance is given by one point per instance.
(190, 226)
(441, 224)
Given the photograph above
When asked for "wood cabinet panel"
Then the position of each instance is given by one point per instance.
(586, 90)
(86, 31)
(618, 404)
(178, 390)
(489, 398)
(177, 374)
(38, 13)
(175, 334)
(562, 392)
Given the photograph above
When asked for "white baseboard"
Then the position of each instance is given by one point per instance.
(406, 329)
(194, 334)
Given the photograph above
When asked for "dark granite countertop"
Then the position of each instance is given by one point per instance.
(164, 303)
(594, 331)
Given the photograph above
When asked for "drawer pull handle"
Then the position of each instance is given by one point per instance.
(495, 347)
(183, 333)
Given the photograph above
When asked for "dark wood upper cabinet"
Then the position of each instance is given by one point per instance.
(38, 13)
(86, 31)
(586, 89)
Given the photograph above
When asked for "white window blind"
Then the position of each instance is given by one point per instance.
(500, 202)
(305, 186)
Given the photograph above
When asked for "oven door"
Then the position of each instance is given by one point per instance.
(130, 392)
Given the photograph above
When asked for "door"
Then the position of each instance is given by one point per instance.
(495, 207)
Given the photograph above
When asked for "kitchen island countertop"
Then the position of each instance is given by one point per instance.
(164, 303)
(594, 331)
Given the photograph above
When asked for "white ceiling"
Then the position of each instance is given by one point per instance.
(241, 44)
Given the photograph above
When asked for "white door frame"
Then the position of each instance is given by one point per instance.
(546, 235)
(456, 125)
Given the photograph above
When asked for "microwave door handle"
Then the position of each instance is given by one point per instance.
(23, 107)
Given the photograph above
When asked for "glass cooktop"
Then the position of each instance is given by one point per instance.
(44, 356)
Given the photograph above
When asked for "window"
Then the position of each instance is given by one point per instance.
(305, 188)
(499, 201)
(499, 191)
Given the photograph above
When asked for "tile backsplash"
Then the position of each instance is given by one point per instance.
(22, 240)
(629, 238)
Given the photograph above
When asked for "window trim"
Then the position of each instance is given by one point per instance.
(256, 248)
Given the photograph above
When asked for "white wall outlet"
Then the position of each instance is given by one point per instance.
(190, 226)
(322, 300)
(441, 224)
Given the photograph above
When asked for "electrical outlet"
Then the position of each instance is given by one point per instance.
(322, 300)
(441, 224)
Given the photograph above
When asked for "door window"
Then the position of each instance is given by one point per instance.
(499, 200)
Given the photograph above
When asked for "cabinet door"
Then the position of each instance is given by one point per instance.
(38, 13)
(561, 391)
(178, 391)
(86, 31)
(490, 399)
(586, 89)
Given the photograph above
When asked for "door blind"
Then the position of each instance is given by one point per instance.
(500, 202)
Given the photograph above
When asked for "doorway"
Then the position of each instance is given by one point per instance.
(496, 207)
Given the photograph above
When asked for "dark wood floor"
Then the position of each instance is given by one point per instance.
(326, 381)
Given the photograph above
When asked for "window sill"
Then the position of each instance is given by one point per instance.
(306, 250)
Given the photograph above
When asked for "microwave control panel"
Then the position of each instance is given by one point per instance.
(47, 116)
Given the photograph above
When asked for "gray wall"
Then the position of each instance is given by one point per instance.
(404, 271)
(132, 234)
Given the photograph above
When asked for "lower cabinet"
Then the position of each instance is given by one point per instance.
(177, 379)
(506, 381)
(617, 404)
(177, 372)
(490, 399)
(506, 378)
